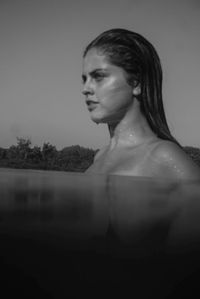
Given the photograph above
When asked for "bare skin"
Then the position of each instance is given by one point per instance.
(134, 149)
(155, 158)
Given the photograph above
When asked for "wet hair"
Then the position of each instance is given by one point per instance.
(138, 57)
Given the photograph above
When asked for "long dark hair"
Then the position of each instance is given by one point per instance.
(138, 57)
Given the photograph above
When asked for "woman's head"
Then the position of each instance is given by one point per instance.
(138, 58)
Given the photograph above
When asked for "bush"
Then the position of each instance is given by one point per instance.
(23, 156)
(194, 153)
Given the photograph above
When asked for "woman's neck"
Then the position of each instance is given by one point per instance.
(132, 130)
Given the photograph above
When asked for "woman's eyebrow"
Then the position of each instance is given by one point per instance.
(96, 71)
(92, 73)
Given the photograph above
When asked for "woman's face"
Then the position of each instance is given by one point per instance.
(107, 93)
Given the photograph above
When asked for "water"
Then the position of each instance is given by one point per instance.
(87, 206)
(83, 225)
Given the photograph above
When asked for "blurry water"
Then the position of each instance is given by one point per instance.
(137, 235)
(138, 212)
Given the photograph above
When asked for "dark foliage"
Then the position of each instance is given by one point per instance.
(23, 156)
(194, 153)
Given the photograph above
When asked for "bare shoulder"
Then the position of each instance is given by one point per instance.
(175, 161)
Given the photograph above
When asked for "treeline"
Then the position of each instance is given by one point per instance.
(25, 156)
(73, 158)
(194, 153)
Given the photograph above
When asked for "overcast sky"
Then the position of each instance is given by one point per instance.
(41, 64)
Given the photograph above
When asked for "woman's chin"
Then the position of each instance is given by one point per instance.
(96, 120)
(100, 119)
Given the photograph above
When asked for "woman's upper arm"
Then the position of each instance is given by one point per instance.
(177, 162)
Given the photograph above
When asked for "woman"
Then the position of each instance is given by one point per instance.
(122, 84)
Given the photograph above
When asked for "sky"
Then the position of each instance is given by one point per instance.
(42, 42)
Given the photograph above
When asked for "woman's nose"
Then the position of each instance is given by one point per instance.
(87, 89)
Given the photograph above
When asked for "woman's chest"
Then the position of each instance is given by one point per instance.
(122, 162)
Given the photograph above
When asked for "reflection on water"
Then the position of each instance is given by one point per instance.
(135, 212)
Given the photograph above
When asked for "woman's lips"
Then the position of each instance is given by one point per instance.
(91, 104)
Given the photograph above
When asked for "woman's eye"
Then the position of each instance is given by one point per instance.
(98, 77)
(83, 79)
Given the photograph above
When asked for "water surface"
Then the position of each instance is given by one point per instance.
(63, 233)
(135, 209)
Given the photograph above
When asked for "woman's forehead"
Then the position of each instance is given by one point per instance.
(95, 56)
(94, 60)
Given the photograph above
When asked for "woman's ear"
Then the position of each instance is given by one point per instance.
(136, 88)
